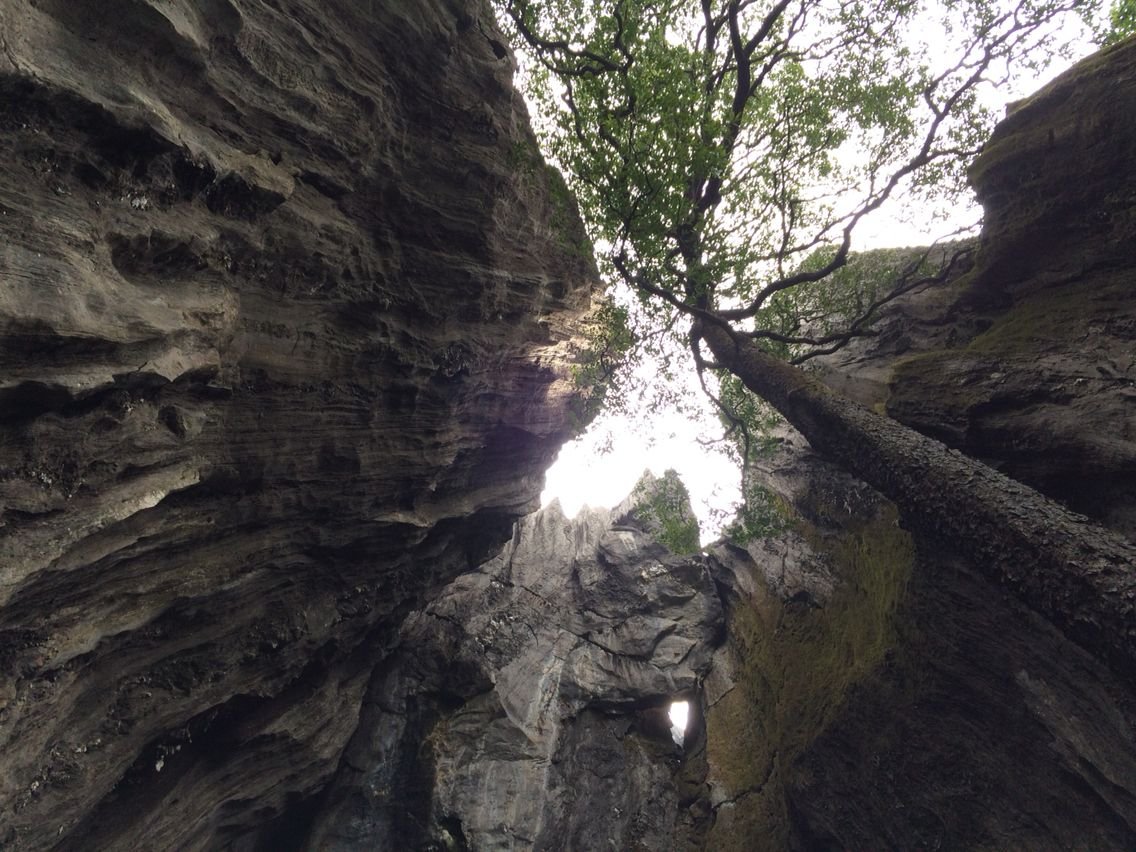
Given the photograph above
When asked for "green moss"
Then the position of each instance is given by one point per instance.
(524, 158)
(794, 665)
(945, 379)
(566, 221)
(763, 514)
(526, 162)
(1042, 318)
(664, 506)
(954, 381)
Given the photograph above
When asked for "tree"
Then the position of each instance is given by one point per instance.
(1120, 24)
(723, 154)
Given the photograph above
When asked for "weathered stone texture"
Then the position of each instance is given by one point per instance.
(286, 307)
(1045, 387)
(526, 707)
(876, 691)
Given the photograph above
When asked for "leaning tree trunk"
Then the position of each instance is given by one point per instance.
(1081, 576)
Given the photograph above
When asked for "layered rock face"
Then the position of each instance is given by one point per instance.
(877, 692)
(527, 706)
(1046, 388)
(287, 303)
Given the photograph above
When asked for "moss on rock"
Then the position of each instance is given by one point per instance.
(793, 663)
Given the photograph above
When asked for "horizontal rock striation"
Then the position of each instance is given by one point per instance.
(1044, 385)
(287, 305)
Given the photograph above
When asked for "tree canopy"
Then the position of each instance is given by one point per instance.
(715, 146)
(724, 154)
(1120, 24)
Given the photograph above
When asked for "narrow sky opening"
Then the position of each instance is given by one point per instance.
(679, 713)
(600, 468)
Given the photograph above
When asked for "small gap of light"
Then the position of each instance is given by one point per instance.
(679, 713)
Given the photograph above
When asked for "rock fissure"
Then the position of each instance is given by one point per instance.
(612, 623)
(555, 695)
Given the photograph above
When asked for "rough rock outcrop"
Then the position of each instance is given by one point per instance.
(1039, 378)
(527, 705)
(286, 305)
(875, 690)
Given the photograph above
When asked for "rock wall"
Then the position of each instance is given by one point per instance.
(287, 303)
(1046, 388)
(527, 706)
(288, 306)
(874, 691)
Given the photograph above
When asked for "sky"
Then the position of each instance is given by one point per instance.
(600, 468)
(584, 474)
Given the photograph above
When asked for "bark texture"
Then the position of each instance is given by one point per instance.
(897, 687)
(1077, 573)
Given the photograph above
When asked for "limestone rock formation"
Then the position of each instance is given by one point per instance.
(875, 690)
(883, 694)
(287, 305)
(526, 707)
(1047, 389)
(288, 302)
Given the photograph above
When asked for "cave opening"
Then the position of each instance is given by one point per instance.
(679, 713)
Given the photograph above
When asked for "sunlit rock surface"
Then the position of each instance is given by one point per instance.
(287, 304)
(527, 705)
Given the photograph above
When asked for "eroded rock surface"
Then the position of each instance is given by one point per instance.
(287, 302)
(877, 692)
(1040, 380)
(527, 705)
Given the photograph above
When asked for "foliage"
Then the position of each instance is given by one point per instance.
(724, 151)
(1120, 24)
(750, 417)
(1122, 19)
(664, 507)
(849, 297)
(608, 342)
(761, 515)
(750, 428)
(715, 147)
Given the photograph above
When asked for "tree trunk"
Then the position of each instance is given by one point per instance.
(1079, 575)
